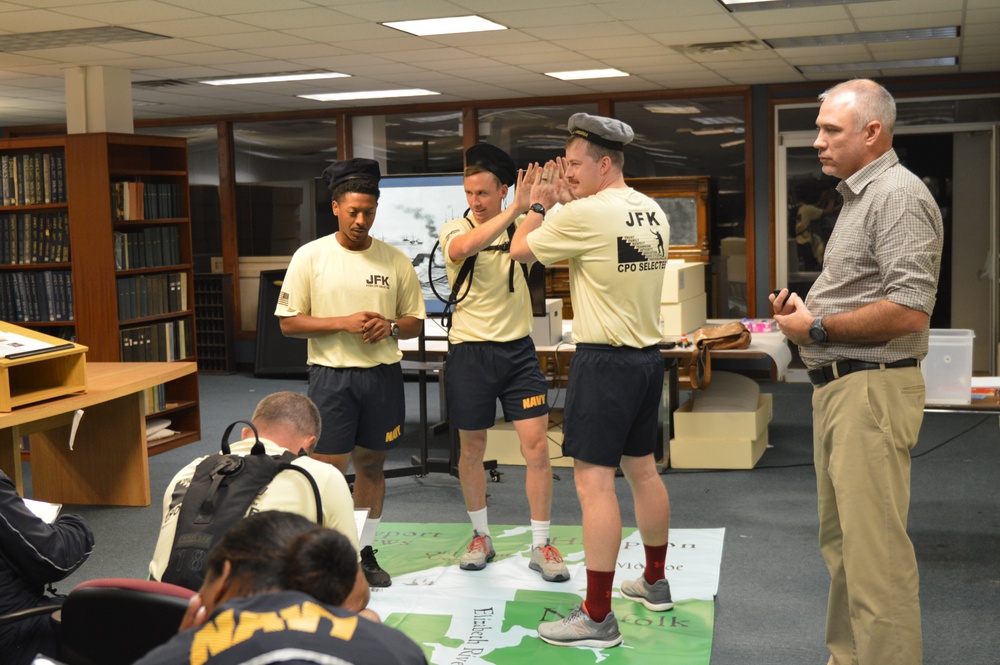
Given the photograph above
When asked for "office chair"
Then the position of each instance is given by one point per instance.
(115, 621)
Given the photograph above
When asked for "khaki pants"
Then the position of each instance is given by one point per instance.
(864, 425)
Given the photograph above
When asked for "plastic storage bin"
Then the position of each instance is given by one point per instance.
(948, 367)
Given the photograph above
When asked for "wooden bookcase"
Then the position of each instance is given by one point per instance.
(93, 163)
(213, 308)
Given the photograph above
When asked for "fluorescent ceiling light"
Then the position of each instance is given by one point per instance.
(581, 74)
(368, 94)
(277, 78)
(672, 109)
(731, 144)
(451, 25)
(877, 37)
(749, 5)
(877, 64)
(35, 41)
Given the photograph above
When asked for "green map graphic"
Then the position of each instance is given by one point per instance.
(492, 616)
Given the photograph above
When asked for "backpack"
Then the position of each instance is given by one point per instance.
(221, 491)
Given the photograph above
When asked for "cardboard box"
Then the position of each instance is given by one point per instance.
(722, 425)
(682, 281)
(685, 316)
(548, 330)
(503, 445)
(718, 453)
(947, 369)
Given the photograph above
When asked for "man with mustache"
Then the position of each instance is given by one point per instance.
(614, 238)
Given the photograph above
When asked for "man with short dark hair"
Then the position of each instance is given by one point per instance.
(284, 421)
(862, 332)
(492, 354)
(353, 297)
(614, 238)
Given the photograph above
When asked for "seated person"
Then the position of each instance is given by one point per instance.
(33, 554)
(259, 602)
(284, 421)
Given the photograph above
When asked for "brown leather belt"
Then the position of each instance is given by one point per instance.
(828, 373)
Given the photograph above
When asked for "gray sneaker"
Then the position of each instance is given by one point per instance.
(579, 630)
(547, 561)
(655, 597)
(479, 552)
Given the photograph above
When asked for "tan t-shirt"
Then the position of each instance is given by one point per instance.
(289, 492)
(616, 242)
(490, 312)
(324, 279)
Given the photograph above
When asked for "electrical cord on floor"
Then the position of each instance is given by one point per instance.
(947, 441)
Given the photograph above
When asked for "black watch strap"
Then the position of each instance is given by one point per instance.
(539, 208)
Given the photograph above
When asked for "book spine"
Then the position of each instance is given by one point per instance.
(5, 179)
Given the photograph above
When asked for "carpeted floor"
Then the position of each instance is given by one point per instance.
(772, 593)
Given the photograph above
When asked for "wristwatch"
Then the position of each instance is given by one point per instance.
(539, 208)
(816, 331)
(393, 329)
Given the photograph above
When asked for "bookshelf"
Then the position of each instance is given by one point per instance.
(100, 252)
(213, 307)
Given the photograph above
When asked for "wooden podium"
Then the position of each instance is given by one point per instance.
(54, 369)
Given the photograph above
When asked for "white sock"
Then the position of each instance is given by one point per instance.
(539, 533)
(367, 536)
(479, 522)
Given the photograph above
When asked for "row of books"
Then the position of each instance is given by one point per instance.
(36, 178)
(156, 399)
(145, 200)
(157, 342)
(34, 237)
(36, 296)
(149, 247)
(151, 295)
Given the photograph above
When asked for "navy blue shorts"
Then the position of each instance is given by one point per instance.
(479, 373)
(612, 403)
(363, 406)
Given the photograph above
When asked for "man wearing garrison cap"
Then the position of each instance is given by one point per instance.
(614, 238)
(492, 354)
(352, 297)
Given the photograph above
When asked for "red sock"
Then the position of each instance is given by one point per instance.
(598, 603)
(656, 557)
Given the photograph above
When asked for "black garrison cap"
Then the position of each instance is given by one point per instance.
(349, 169)
(494, 160)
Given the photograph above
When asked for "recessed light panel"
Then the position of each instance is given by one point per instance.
(582, 74)
(882, 36)
(750, 5)
(368, 94)
(276, 78)
(876, 64)
(451, 25)
(37, 41)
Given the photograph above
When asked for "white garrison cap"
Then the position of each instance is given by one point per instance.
(605, 132)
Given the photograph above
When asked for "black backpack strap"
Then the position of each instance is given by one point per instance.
(258, 447)
(524, 266)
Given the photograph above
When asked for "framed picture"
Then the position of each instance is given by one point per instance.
(685, 201)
